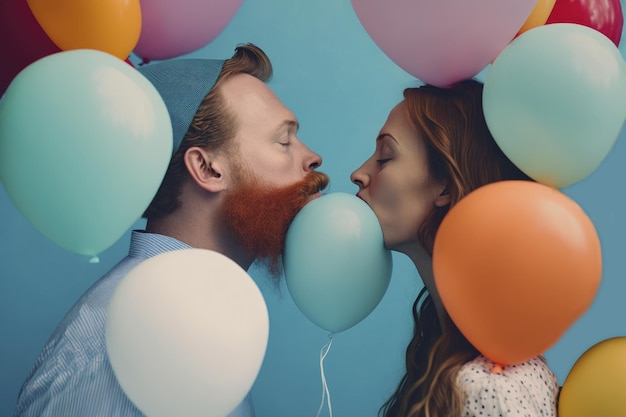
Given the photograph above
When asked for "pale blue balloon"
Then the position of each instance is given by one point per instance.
(336, 267)
(85, 140)
(555, 101)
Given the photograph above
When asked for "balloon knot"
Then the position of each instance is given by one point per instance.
(144, 61)
(94, 260)
(497, 369)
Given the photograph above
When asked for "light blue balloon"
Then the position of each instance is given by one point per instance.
(336, 267)
(555, 101)
(85, 140)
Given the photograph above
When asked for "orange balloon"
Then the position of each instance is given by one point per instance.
(516, 263)
(538, 16)
(111, 26)
(596, 383)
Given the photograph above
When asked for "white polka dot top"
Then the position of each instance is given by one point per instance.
(529, 389)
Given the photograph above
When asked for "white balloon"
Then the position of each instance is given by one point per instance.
(186, 334)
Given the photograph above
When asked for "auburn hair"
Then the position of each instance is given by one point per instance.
(462, 153)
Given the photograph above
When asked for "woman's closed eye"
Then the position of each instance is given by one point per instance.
(382, 161)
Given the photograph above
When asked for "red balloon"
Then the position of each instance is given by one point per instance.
(22, 40)
(605, 16)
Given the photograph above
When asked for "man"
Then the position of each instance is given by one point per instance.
(236, 180)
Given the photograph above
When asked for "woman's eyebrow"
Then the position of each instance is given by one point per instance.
(385, 135)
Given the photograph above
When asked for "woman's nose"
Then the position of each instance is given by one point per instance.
(359, 178)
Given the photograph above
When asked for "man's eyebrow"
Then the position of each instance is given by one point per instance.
(289, 123)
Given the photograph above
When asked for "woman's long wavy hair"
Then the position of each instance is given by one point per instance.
(462, 153)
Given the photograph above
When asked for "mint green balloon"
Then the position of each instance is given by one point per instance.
(336, 267)
(85, 140)
(555, 101)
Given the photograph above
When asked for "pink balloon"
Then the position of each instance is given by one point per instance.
(442, 41)
(171, 28)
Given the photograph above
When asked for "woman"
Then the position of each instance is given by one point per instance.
(433, 150)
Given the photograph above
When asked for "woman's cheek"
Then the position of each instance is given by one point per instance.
(387, 196)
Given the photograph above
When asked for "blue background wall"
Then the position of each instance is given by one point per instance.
(341, 86)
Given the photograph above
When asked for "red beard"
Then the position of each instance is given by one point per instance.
(259, 216)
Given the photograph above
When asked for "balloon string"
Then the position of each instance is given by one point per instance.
(325, 391)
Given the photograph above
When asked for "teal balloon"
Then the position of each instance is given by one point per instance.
(336, 267)
(85, 140)
(555, 101)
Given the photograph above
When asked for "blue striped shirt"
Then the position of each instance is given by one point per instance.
(72, 376)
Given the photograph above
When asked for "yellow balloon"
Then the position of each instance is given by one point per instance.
(596, 384)
(538, 16)
(111, 26)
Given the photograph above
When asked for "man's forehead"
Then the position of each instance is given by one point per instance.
(241, 88)
(255, 104)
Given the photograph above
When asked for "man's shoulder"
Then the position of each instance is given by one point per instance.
(78, 340)
(102, 290)
(84, 324)
(74, 359)
(80, 337)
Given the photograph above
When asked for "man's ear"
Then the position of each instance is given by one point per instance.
(205, 168)
(443, 199)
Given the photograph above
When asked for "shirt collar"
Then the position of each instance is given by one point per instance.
(147, 245)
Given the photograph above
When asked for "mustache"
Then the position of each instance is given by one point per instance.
(313, 183)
